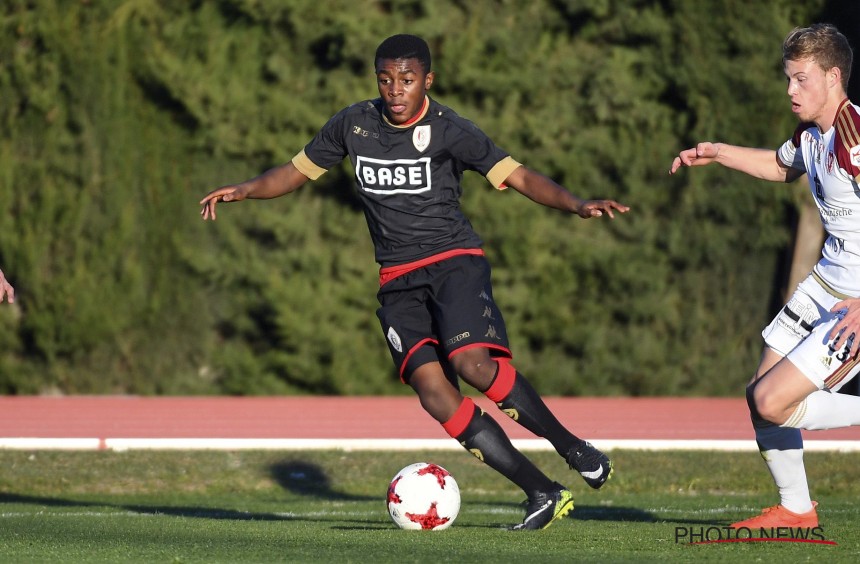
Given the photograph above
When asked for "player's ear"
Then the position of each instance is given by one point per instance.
(428, 80)
(835, 76)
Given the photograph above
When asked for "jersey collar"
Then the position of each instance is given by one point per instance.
(414, 119)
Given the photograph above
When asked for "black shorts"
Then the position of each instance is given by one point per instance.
(431, 313)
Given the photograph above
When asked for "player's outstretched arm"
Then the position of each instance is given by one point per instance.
(545, 191)
(760, 163)
(6, 289)
(273, 183)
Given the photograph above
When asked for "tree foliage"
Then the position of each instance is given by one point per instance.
(117, 116)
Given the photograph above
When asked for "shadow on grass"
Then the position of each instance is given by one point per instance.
(178, 511)
(581, 513)
(620, 514)
(304, 478)
(599, 513)
(297, 477)
(632, 514)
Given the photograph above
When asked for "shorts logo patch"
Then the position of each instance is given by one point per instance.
(801, 314)
(421, 137)
(394, 339)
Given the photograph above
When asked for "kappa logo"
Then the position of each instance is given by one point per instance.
(356, 130)
(421, 137)
(394, 339)
(855, 155)
(398, 176)
(458, 338)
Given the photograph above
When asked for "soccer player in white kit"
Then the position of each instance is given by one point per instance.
(811, 346)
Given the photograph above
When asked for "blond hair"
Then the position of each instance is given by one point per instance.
(822, 43)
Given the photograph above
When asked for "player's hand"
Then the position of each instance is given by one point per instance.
(6, 289)
(701, 154)
(848, 327)
(224, 194)
(596, 208)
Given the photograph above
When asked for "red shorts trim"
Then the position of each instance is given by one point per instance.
(389, 273)
(417, 346)
(496, 351)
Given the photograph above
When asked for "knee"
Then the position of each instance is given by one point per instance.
(435, 393)
(478, 370)
(764, 407)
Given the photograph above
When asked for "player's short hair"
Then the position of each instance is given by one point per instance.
(822, 43)
(404, 46)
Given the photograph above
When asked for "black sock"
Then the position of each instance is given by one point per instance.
(525, 406)
(485, 439)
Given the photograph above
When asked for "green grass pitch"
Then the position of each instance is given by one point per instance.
(329, 506)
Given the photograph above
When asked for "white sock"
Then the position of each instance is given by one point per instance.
(789, 474)
(825, 410)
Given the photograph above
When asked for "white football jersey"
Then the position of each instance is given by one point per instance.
(831, 161)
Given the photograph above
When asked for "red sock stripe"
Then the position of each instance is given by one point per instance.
(461, 418)
(504, 382)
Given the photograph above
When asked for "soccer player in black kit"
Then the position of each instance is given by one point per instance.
(436, 301)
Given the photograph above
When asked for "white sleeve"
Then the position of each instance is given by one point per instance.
(791, 156)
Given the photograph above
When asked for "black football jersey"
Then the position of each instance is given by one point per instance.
(408, 177)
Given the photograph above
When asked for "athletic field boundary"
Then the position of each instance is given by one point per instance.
(120, 423)
(124, 444)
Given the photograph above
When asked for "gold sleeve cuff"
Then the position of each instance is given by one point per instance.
(308, 167)
(501, 171)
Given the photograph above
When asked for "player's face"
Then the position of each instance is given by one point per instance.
(808, 89)
(402, 85)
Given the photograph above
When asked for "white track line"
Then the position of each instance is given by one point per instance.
(122, 444)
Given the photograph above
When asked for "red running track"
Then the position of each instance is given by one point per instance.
(104, 417)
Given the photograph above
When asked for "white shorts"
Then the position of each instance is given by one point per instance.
(800, 333)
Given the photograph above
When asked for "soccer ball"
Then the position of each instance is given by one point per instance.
(423, 496)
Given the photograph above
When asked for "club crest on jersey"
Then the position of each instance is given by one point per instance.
(855, 155)
(421, 137)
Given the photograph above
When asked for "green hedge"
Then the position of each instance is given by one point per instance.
(116, 117)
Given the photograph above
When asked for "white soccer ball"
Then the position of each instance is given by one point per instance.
(423, 496)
